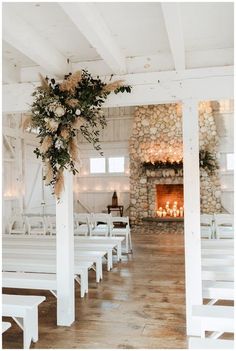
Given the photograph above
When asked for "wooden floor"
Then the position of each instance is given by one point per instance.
(140, 304)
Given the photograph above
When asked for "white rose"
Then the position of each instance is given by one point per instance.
(78, 112)
(58, 144)
(59, 111)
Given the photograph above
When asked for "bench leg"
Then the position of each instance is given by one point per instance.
(83, 282)
(34, 326)
(127, 244)
(109, 260)
(86, 280)
(30, 330)
(130, 243)
(119, 254)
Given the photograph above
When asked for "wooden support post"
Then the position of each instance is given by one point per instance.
(192, 213)
(65, 254)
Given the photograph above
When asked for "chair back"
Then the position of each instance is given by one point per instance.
(224, 223)
(17, 225)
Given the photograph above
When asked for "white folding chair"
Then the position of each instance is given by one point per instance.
(36, 225)
(206, 221)
(50, 223)
(224, 225)
(17, 225)
(81, 224)
(100, 224)
(117, 230)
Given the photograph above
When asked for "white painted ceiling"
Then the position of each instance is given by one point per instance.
(138, 29)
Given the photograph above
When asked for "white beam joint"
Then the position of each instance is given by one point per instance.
(90, 23)
(24, 38)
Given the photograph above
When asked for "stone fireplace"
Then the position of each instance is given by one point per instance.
(157, 130)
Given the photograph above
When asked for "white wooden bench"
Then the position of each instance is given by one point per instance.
(44, 240)
(44, 261)
(24, 310)
(210, 260)
(80, 250)
(217, 243)
(208, 343)
(5, 326)
(16, 265)
(222, 273)
(218, 290)
(214, 318)
(218, 251)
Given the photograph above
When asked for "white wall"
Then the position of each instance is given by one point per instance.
(224, 118)
(94, 192)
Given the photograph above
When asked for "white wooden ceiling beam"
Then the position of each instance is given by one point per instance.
(90, 23)
(148, 88)
(160, 63)
(24, 38)
(173, 23)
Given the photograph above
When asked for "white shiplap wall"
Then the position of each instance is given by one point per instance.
(94, 192)
(224, 118)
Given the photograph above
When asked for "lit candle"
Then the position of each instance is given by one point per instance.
(160, 208)
(181, 213)
(164, 213)
(171, 212)
(168, 211)
(177, 213)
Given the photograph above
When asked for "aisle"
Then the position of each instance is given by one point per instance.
(140, 304)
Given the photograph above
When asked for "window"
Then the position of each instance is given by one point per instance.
(116, 164)
(230, 162)
(97, 165)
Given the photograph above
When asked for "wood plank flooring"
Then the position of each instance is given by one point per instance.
(139, 304)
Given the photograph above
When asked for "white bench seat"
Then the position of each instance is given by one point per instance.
(221, 251)
(214, 318)
(50, 250)
(207, 343)
(81, 270)
(5, 326)
(217, 243)
(48, 262)
(23, 280)
(218, 290)
(223, 273)
(24, 310)
(211, 260)
(46, 241)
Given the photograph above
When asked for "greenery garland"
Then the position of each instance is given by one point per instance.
(60, 111)
(206, 161)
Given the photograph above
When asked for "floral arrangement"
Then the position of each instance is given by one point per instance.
(60, 111)
(206, 161)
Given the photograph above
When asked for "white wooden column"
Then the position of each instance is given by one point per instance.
(192, 213)
(65, 254)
